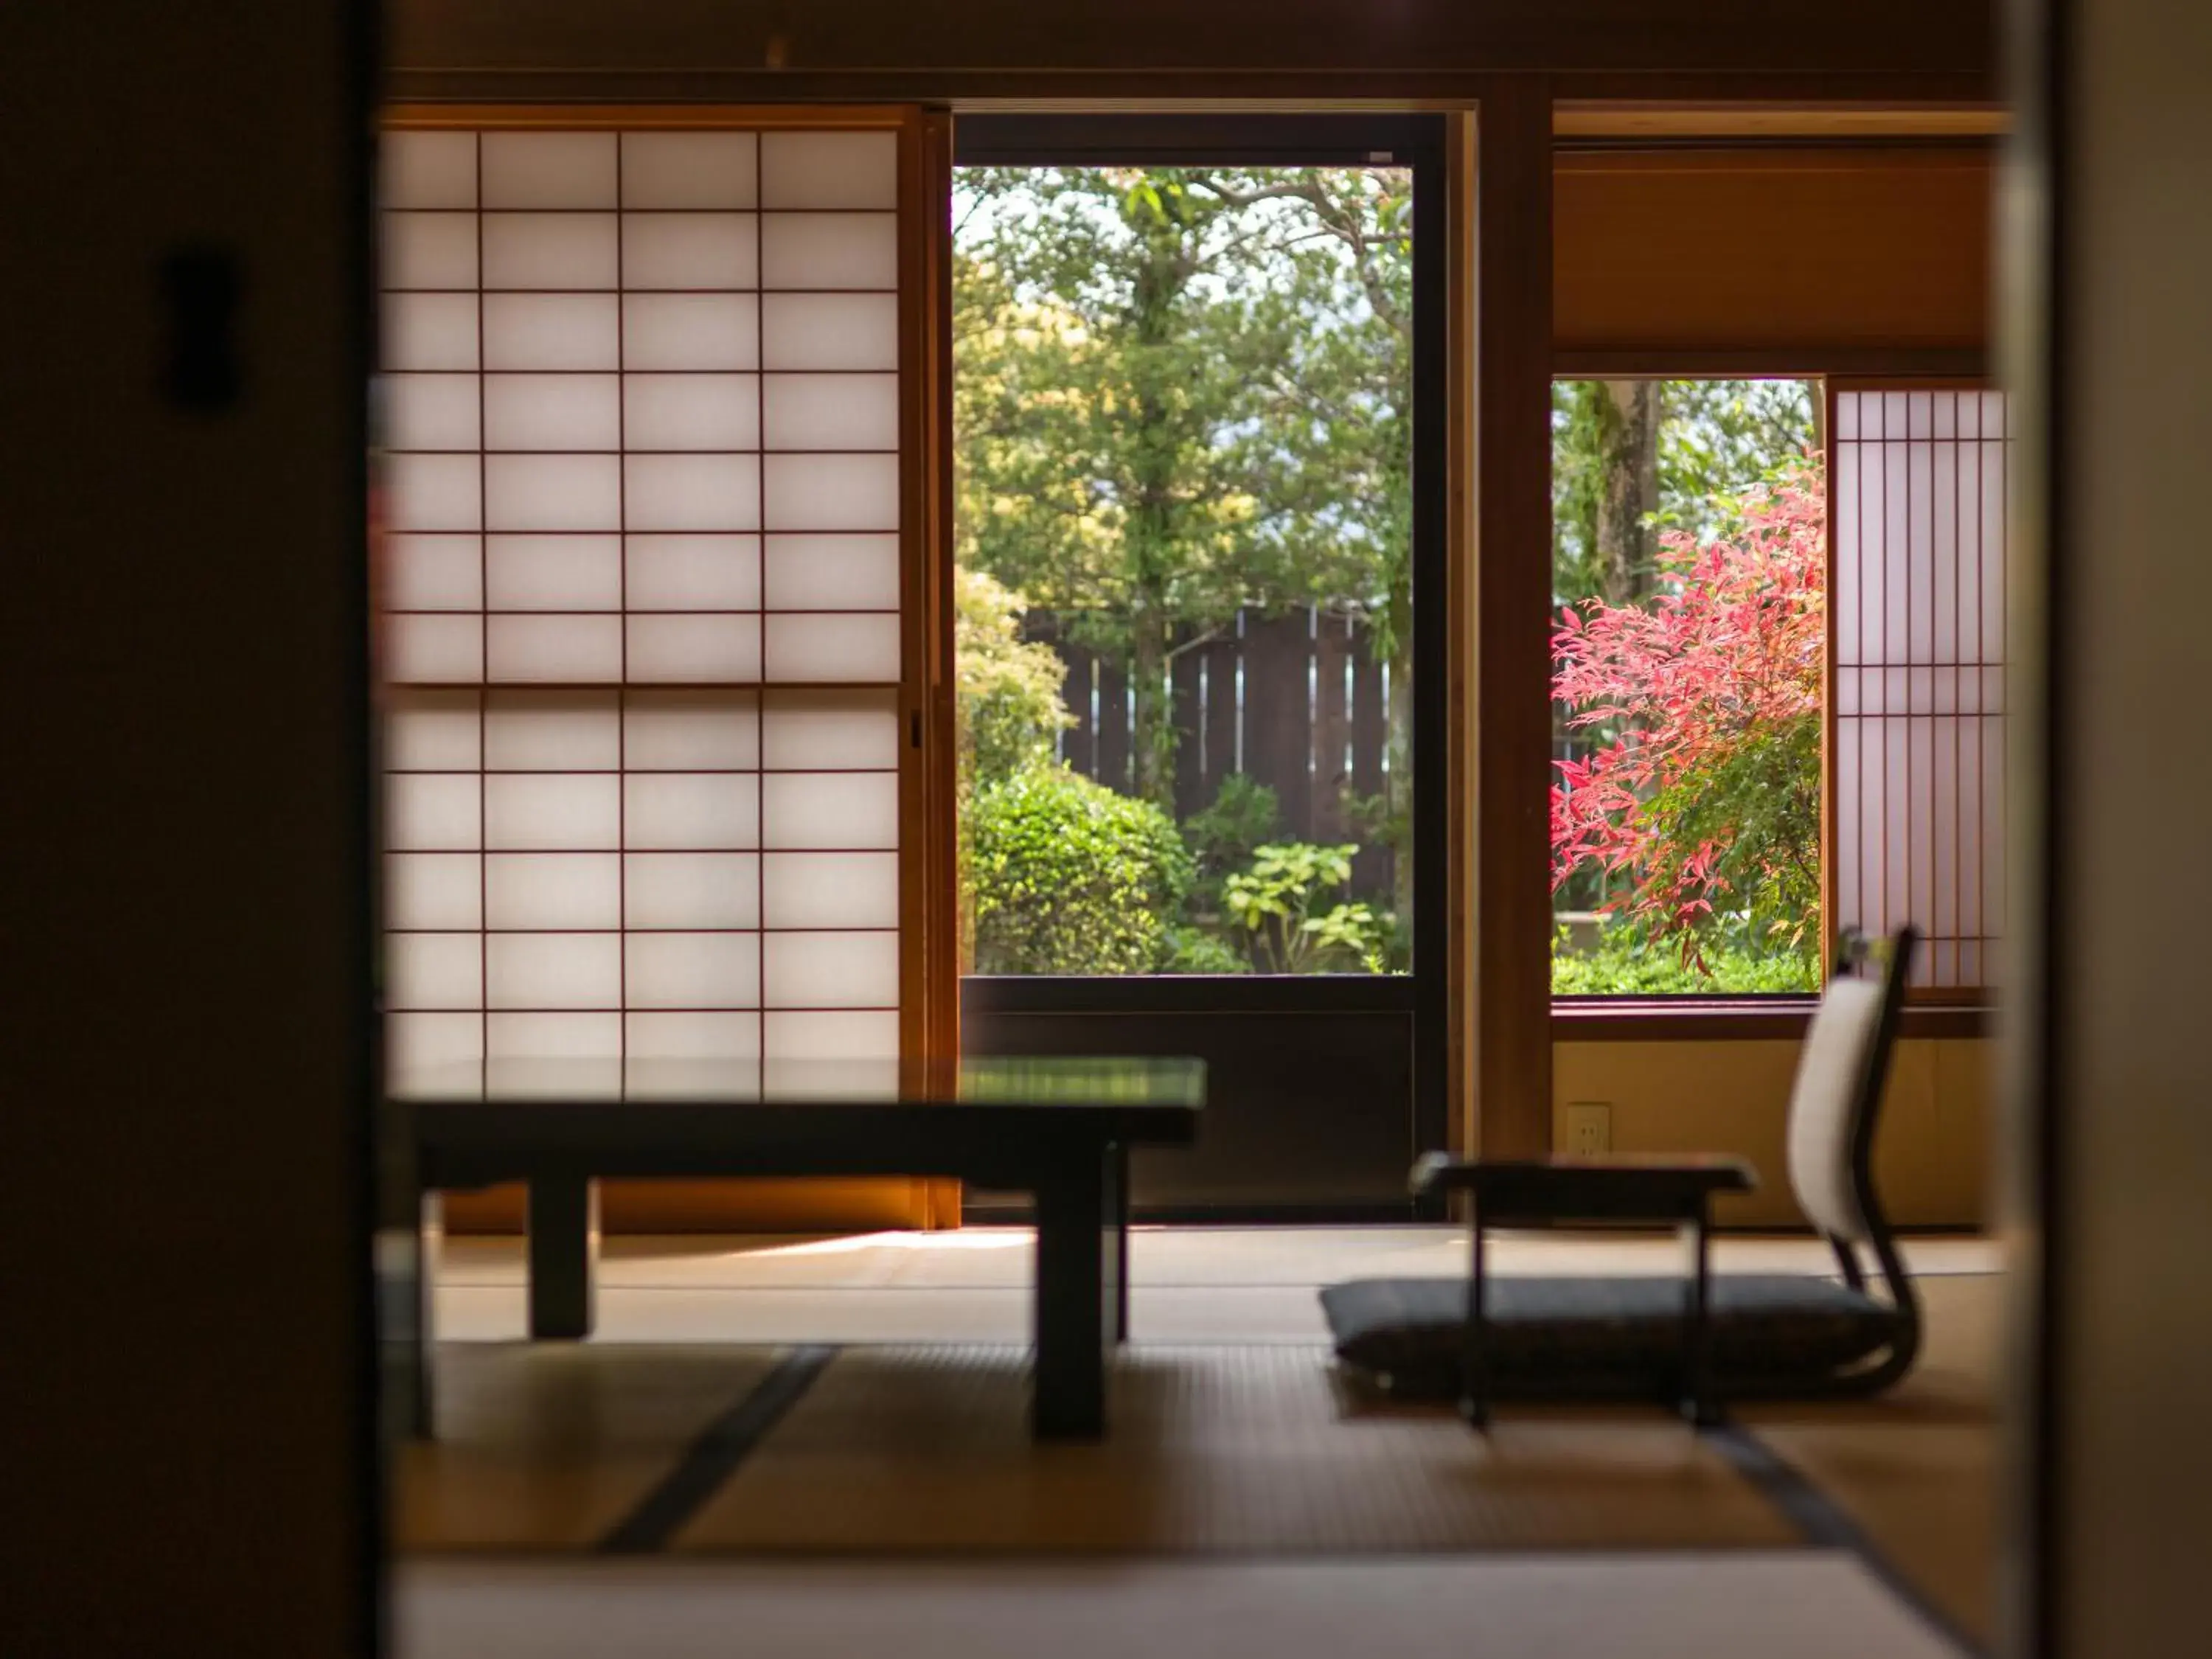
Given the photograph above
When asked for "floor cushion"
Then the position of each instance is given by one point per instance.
(1615, 1337)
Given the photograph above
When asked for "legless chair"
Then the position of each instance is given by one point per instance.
(1740, 1336)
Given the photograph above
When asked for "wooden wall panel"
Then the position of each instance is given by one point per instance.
(1511, 900)
(1809, 255)
(1933, 1152)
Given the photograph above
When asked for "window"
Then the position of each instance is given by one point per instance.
(1689, 555)
(1779, 693)
(640, 410)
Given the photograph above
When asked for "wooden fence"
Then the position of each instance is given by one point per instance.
(1298, 700)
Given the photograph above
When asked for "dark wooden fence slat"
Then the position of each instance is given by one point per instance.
(1079, 743)
(1190, 791)
(1332, 726)
(1222, 656)
(1113, 725)
(1371, 738)
(1278, 713)
(1293, 740)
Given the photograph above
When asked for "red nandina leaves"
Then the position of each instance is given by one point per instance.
(1703, 688)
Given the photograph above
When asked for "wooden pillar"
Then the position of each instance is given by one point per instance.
(1509, 907)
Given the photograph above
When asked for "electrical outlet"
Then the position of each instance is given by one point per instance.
(1589, 1129)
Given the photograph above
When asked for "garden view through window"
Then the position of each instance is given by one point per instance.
(1689, 561)
(1183, 632)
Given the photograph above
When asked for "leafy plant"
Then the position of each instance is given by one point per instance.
(1707, 800)
(1067, 877)
(1244, 816)
(1195, 951)
(1274, 902)
(1625, 962)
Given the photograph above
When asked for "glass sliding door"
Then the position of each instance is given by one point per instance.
(1197, 427)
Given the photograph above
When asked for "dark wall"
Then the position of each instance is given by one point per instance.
(1162, 48)
(184, 1422)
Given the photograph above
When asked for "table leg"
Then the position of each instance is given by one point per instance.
(430, 1240)
(564, 1247)
(1475, 1361)
(1076, 1300)
(1698, 1404)
(1118, 1166)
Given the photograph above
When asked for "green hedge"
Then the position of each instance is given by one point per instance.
(1625, 964)
(1069, 877)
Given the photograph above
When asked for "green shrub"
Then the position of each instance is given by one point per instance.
(1067, 877)
(1625, 963)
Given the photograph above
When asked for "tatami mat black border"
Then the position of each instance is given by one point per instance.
(715, 1455)
(1826, 1526)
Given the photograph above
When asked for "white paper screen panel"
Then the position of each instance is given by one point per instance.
(1919, 697)
(597, 854)
(641, 417)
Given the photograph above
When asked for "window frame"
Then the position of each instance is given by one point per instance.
(1929, 1013)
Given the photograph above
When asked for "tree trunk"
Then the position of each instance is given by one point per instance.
(1154, 737)
(1628, 439)
(1151, 527)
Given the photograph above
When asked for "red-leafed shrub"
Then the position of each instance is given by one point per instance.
(1706, 803)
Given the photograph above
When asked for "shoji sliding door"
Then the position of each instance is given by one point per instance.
(1916, 783)
(655, 436)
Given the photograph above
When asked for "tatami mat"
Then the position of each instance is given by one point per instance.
(1746, 1604)
(1915, 1470)
(1237, 1449)
(550, 1446)
(1231, 1434)
(994, 1257)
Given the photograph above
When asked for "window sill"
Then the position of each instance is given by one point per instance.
(1734, 1019)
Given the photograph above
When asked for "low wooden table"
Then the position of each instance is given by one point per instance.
(1059, 1128)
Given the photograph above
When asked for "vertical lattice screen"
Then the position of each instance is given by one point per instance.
(641, 419)
(1920, 689)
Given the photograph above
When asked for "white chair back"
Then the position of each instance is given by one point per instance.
(1826, 1101)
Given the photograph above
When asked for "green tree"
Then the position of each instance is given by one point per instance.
(1182, 392)
(1631, 459)
(1007, 688)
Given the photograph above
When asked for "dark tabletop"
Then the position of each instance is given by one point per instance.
(1077, 1083)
